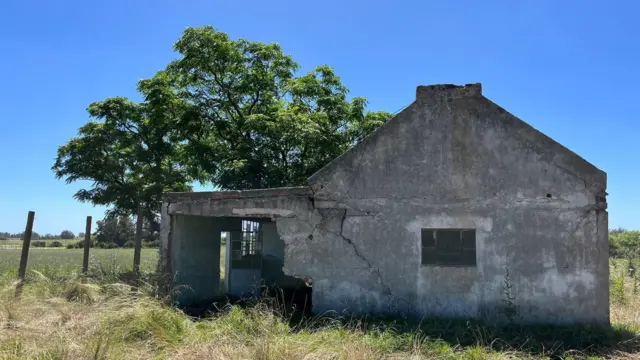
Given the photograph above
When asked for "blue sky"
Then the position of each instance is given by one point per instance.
(569, 68)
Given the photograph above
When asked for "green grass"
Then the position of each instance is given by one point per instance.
(58, 263)
(60, 316)
(18, 242)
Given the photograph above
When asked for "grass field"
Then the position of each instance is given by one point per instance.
(18, 242)
(60, 317)
(62, 263)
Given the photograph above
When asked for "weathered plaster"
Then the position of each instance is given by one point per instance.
(451, 159)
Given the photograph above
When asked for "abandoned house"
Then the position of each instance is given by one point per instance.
(453, 208)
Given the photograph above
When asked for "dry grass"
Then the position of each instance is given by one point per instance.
(102, 319)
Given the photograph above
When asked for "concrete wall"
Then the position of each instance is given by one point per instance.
(195, 257)
(273, 258)
(452, 159)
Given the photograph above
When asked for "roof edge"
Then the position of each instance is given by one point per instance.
(311, 180)
(423, 93)
(302, 191)
(571, 161)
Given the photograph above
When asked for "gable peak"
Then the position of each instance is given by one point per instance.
(451, 91)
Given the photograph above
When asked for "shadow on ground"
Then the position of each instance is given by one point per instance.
(532, 339)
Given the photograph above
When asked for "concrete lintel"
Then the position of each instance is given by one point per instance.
(238, 194)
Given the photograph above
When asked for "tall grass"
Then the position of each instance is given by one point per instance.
(105, 318)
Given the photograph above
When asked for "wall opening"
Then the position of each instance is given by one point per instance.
(448, 247)
(292, 299)
(224, 270)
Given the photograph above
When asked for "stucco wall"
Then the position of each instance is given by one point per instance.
(452, 159)
(196, 258)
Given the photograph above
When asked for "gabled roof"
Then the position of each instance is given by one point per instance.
(549, 149)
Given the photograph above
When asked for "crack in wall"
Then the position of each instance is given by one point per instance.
(597, 267)
(387, 291)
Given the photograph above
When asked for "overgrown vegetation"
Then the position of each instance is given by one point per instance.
(624, 243)
(62, 317)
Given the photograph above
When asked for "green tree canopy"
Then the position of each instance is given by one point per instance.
(232, 113)
(115, 229)
(66, 235)
(254, 123)
(129, 154)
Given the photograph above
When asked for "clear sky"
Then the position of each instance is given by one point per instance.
(569, 68)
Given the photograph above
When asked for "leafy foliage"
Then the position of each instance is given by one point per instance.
(130, 156)
(66, 235)
(233, 113)
(624, 243)
(254, 123)
(115, 229)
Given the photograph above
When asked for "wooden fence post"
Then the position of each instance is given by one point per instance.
(87, 246)
(22, 270)
(138, 243)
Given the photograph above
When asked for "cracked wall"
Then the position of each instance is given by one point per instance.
(452, 159)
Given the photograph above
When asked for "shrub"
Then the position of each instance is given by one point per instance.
(55, 244)
(128, 244)
(624, 243)
(38, 243)
(106, 245)
(78, 245)
(151, 244)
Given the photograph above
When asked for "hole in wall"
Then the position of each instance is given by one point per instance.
(293, 298)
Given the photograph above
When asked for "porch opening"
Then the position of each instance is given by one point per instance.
(216, 259)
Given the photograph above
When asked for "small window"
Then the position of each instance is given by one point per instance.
(246, 246)
(449, 247)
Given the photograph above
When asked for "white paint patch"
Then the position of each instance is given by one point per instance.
(579, 199)
(564, 285)
(261, 211)
(442, 221)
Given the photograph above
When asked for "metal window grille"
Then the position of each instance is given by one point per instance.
(246, 246)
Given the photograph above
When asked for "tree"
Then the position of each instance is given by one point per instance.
(66, 235)
(81, 235)
(130, 154)
(115, 229)
(233, 113)
(254, 124)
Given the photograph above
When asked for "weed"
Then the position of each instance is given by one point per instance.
(509, 308)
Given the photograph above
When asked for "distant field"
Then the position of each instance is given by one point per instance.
(18, 242)
(56, 263)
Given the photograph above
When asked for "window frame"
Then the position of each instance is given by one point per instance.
(431, 256)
